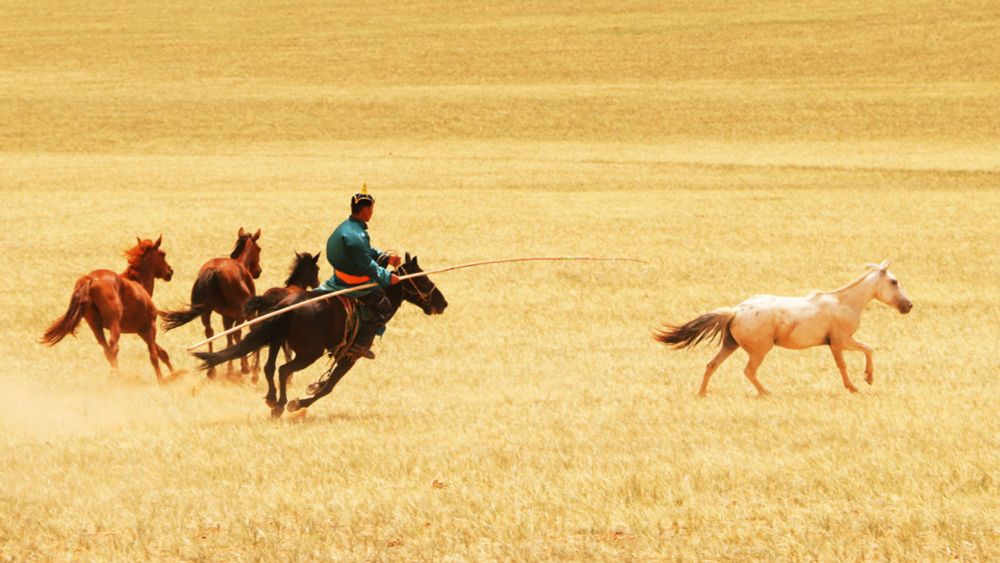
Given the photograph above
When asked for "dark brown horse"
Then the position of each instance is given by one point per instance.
(119, 304)
(303, 276)
(223, 286)
(315, 329)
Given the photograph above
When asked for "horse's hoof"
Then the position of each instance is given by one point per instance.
(293, 405)
(277, 411)
(312, 388)
(869, 379)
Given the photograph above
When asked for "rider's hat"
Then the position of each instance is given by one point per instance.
(363, 198)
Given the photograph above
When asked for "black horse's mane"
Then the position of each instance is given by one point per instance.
(300, 268)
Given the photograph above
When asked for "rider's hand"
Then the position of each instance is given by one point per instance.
(395, 260)
(393, 279)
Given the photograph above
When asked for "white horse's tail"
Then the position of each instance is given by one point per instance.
(709, 326)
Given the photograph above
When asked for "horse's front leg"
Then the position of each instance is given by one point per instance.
(853, 344)
(339, 371)
(148, 336)
(838, 356)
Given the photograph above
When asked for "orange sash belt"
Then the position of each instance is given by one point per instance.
(349, 279)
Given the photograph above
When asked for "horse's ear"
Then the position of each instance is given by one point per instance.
(138, 240)
(407, 257)
(415, 261)
(242, 233)
(158, 241)
(256, 235)
(884, 265)
(316, 258)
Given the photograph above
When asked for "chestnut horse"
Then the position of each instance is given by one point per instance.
(822, 317)
(303, 275)
(119, 304)
(223, 286)
(328, 325)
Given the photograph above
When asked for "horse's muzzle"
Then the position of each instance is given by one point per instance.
(905, 307)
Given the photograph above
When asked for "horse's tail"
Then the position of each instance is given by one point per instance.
(68, 323)
(272, 330)
(255, 306)
(199, 299)
(709, 326)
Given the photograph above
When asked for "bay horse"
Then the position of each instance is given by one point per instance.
(302, 276)
(119, 303)
(223, 286)
(315, 329)
(821, 318)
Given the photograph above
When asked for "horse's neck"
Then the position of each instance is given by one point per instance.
(142, 276)
(297, 281)
(395, 295)
(858, 294)
(244, 256)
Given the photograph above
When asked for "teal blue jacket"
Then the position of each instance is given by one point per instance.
(349, 251)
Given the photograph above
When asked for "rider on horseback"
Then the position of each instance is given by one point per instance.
(355, 263)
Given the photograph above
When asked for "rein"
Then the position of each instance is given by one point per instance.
(425, 298)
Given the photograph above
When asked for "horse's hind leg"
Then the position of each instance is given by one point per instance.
(231, 340)
(714, 364)
(301, 361)
(756, 357)
(94, 321)
(838, 356)
(206, 320)
(271, 399)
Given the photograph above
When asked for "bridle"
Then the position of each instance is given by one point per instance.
(424, 297)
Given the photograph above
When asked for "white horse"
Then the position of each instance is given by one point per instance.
(823, 317)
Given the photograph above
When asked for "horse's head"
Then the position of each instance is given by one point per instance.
(420, 290)
(888, 289)
(247, 251)
(305, 271)
(147, 256)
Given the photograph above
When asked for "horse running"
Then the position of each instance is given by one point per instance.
(763, 321)
(119, 304)
(303, 276)
(325, 326)
(223, 286)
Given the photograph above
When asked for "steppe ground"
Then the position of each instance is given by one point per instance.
(738, 147)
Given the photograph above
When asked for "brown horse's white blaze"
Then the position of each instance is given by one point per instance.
(764, 321)
(119, 304)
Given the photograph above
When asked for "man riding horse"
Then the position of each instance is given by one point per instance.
(355, 262)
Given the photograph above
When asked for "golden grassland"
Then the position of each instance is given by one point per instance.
(739, 148)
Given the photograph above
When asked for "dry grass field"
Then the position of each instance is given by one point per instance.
(738, 147)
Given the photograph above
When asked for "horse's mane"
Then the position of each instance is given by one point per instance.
(302, 261)
(868, 272)
(134, 258)
(240, 245)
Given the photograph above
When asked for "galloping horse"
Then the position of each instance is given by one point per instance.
(223, 285)
(312, 330)
(119, 304)
(823, 317)
(303, 275)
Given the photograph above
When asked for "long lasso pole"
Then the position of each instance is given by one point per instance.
(263, 318)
